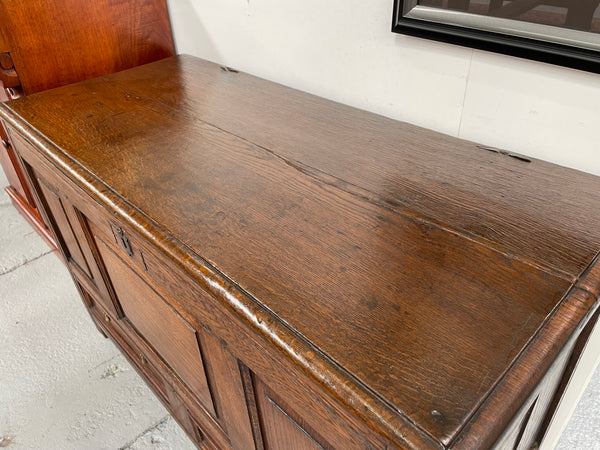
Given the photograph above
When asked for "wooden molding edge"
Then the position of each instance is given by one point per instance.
(560, 331)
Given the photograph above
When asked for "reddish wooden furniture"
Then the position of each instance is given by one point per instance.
(52, 43)
(290, 273)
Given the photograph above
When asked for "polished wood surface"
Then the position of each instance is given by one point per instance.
(63, 41)
(425, 283)
(8, 74)
(45, 44)
(485, 195)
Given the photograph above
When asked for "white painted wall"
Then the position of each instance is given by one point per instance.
(344, 50)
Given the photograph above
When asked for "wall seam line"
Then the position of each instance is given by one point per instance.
(462, 109)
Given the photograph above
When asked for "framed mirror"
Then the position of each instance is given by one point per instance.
(564, 32)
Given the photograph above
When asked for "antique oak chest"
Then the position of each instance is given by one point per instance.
(287, 272)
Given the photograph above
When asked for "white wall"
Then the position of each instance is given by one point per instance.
(344, 50)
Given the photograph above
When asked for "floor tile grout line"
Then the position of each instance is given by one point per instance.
(27, 261)
(147, 430)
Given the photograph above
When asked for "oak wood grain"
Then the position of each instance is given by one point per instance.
(390, 300)
(45, 44)
(224, 370)
(281, 431)
(265, 225)
(481, 192)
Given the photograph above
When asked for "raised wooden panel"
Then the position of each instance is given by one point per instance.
(19, 189)
(224, 370)
(68, 226)
(291, 418)
(8, 162)
(148, 366)
(282, 428)
(59, 215)
(174, 339)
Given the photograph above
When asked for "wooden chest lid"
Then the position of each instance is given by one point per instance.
(428, 282)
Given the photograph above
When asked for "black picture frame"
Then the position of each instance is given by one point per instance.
(537, 48)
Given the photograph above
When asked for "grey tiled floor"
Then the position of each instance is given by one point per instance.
(63, 386)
